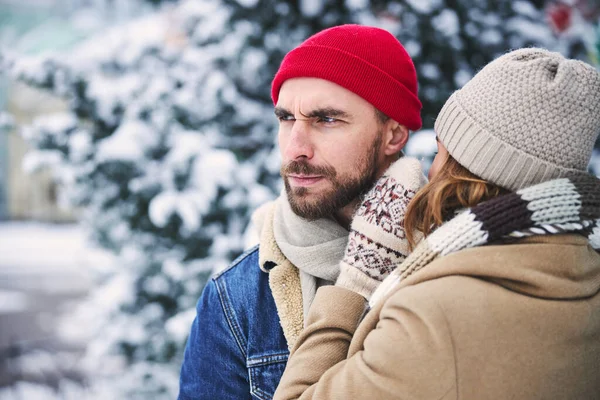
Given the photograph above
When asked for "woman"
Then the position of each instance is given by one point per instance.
(501, 299)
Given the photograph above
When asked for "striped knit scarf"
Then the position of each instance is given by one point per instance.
(565, 205)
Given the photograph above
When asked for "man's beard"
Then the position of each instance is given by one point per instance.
(344, 189)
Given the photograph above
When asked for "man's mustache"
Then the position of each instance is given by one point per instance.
(304, 168)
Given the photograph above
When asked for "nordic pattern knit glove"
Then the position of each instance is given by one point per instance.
(377, 241)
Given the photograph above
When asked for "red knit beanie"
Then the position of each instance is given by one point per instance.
(368, 61)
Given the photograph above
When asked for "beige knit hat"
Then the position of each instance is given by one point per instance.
(527, 117)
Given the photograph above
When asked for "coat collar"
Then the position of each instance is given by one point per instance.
(559, 267)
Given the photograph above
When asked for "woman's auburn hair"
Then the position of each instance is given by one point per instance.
(454, 187)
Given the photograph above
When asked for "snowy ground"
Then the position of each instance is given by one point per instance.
(44, 270)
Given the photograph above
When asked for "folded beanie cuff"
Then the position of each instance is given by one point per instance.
(487, 156)
(368, 81)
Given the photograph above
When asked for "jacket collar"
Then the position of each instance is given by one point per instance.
(284, 278)
(269, 253)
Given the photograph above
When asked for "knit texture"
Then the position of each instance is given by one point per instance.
(368, 61)
(527, 117)
(314, 247)
(563, 205)
(377, 241)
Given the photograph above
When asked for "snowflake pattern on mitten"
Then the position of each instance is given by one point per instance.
(385, 205)
(380, 215)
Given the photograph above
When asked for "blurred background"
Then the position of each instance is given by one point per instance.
(136, 139)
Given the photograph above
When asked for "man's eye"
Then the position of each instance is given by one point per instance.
(327, 120)
(283, 118)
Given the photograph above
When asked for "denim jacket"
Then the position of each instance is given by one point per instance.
(236, 348)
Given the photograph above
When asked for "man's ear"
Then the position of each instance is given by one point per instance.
(396, 136)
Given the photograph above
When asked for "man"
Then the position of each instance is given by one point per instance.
(346, 99)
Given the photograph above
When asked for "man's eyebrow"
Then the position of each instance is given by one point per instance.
(281, 112)
(327, 112)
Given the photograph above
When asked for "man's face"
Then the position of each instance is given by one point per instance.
(331, 146)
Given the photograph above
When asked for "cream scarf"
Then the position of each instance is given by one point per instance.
(314, 247)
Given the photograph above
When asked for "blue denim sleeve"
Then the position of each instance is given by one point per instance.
(214, 366)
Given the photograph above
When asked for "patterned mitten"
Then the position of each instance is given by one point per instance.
(377, 242)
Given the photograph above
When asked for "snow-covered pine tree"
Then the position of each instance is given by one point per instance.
(168, 144)
(141, 153)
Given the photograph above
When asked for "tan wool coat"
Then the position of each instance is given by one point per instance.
(512, 321)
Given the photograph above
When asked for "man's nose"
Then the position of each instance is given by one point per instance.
(299, 144)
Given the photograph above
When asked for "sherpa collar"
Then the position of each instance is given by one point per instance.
(284, 278)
